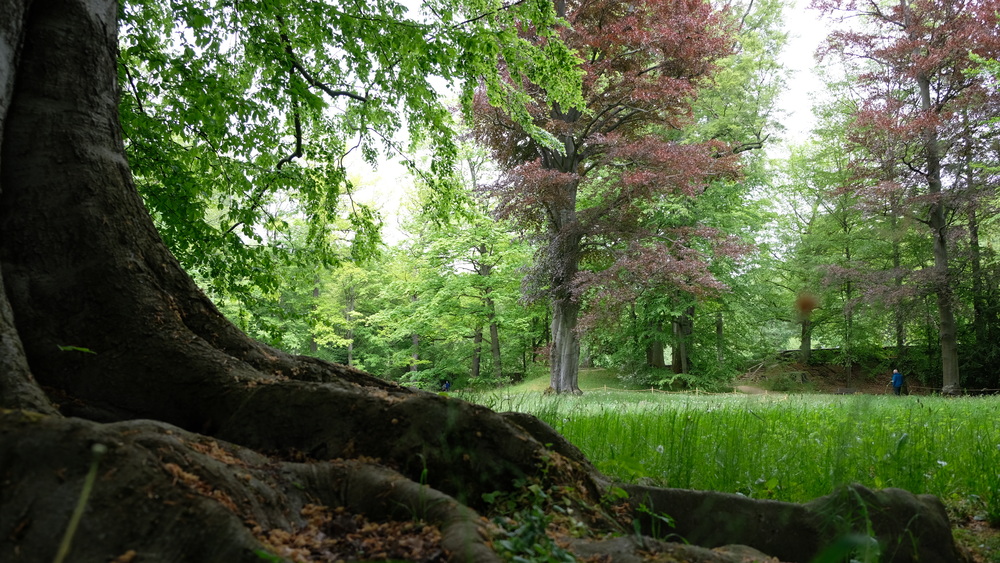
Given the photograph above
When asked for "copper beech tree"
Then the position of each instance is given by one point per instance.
(590, 191)
(921, 118)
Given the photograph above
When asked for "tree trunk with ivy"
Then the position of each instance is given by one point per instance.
(123, 388)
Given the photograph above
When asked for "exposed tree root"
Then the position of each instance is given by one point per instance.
(190, 497)
(187, 497)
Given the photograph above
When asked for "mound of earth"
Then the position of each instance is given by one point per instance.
(815, 378)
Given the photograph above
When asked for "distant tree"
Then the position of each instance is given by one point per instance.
(587, 195)
(344, 301)
(911, 59)
(739, 108)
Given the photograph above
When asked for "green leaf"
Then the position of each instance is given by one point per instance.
(75, 349)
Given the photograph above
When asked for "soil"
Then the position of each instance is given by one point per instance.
(818, 378)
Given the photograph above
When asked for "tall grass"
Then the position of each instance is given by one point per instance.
(791, 448)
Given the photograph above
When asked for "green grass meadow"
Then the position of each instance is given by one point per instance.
(792, 447)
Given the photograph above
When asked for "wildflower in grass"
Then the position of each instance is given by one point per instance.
(942, 462)
(659, 449)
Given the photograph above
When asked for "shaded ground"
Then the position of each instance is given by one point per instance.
(821, 378)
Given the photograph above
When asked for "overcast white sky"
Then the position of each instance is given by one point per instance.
(806, 31)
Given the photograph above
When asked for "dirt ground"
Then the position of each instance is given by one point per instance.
(821, 378)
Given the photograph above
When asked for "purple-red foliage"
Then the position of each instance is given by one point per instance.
(877, 286)
(643, 62)
(911, 152)
(668, 262)
(916, 39)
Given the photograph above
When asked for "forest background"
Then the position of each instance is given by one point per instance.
(831, 242)
(626, 204)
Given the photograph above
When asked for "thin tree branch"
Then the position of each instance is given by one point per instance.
(503, 8)
(297, 153)
(309, 78)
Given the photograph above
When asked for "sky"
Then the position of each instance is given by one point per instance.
(806, 31)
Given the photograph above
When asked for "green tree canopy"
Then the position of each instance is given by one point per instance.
(238, 117)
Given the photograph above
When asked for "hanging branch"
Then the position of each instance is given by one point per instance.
(257, 198)
(309, 78)
(297, 153)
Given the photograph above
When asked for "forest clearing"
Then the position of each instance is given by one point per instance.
(790, 446)
(212, 350)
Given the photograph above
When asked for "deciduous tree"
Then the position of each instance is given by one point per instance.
(229, 109)
(911, 59)
(588, 191)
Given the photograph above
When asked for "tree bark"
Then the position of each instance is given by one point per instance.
(477, 345)
(654, 355)
(565, 357)
(899, 326)
(491, 318)
(495, 342)
(947, 329)
(980, 320)
(415, 346)
(564, 261)
(683, 329)
(350, 299)
(654, 350)
(805, 342)
(18, 388)
(720, 338)
(848, 319)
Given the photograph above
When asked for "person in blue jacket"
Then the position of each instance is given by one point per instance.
(897, 382)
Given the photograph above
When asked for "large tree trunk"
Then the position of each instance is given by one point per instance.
(683, 328)
(564, 262)
(18, 388)
(805, 340)
(947, 328)
(486, 270)
(654, 350)
(565, 358)
(654, 355)
(104, 318)
(110, 321)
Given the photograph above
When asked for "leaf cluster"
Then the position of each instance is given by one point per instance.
(238, 117)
